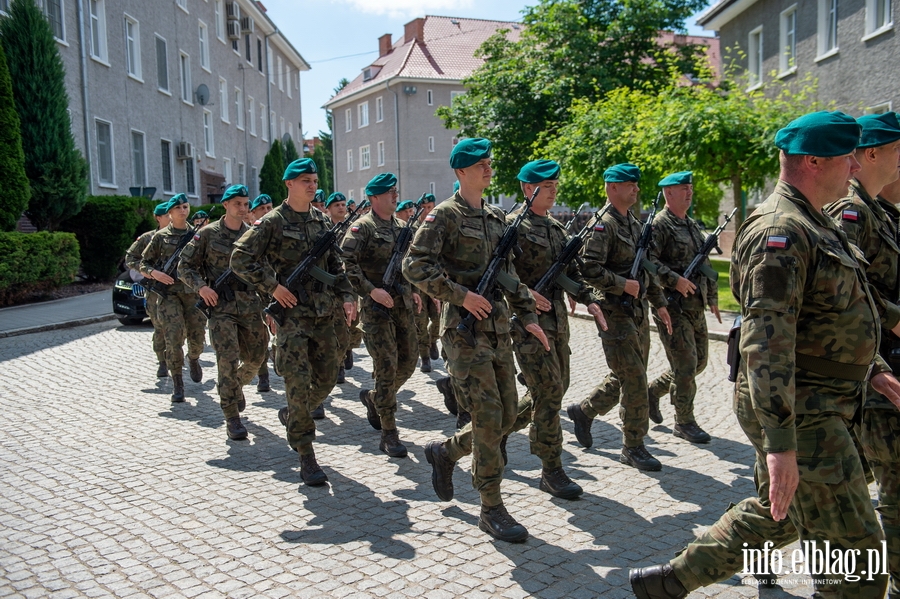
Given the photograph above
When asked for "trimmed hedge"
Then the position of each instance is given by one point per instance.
(32, 262)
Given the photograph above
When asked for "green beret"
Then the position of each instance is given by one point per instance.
(200, 214)
(824, 134)
(260, 200)
(878, 129)
(299, 167)
(351, 202)
(381, 184)
(469, 151)
(161, 209)
(320, 196)
(404, 205)
(538, 170)
(176, 200)
(622, 173)
(235, 191)
(455, 186)
(335, 197)
(429, 199)
(680, 178)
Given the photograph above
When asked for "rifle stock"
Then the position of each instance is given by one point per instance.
(170, 266)
(709, 244)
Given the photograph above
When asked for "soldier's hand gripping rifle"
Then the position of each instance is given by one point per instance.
(394, 267)
(222, 287)
(641, 263)
(307, 268)
(709, 244)
(170, 267)
(494, 270)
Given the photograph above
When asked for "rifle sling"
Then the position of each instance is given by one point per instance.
(567, 284)
(507, 282)
(322, 276)
(708, 272)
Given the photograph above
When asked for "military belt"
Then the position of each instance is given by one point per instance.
(838, 370)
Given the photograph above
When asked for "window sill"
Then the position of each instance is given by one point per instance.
(877, 32)
(108, 185)
(164, 91)
(253, 133)
(135, 77)
(828, 54)
(208, 155)
(99, 60)
(183, 8)
(227, 122)
(61, 42)
(755, 87)
(222, 39)
(240, 128)
(206, 69)
(787, 73)
(191, 104)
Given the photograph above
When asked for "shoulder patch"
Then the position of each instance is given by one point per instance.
(430, 218)
(355, 228)
(196, 236)
(851, 215)
(599, 227)
(778, 242)
(259, 220)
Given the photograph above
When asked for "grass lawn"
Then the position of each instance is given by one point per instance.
(726, 300)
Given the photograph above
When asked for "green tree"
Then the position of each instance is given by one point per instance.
(272, 172)
(288, 151)
(569, 49)
(56, 169)
(13, 181)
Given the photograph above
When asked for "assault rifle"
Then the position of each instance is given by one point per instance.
(641, 263)
(570, 226)
(170, 267)
(222, 287)
(494, 270)
(307, 268)
(392, 273)
(711, 243)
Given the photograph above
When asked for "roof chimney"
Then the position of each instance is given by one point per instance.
(414, 30)
(384, 45)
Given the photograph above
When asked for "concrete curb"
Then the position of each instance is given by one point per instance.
(715, 335)
(57, 325)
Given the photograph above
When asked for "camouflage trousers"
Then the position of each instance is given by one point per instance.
(159, 337)
(391, 341)
(485, 385)
(831, 504)
(880, 440)
(306, 356)
(462, 445)
(427, 333)
(264, 366)
(626, 345)
(179, 318)
(687, 349)
(241, 344)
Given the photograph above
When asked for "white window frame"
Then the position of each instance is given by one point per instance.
(429, 97)
(170, 166)
(453, 94)
(220, 20)
(273, 118)
(290, 130)
(280, 73)
(62, 20)
(283, 130)
(263, 122)
(185, 81)
(348, 120)
(827, 27)
(380, 153)
(133, 65)
(431, 188)
(239, 108)
(379, 109)
(242, 174)
(99, 41)
(143, 158)
(350, 194)
(873, 27)
(226, 171)
(431, 143)
(362, 114)
(251, 114)
(881, 108)
(287, 76)
(112, 154)
(191, 163)
(270, 63)
(203, 35)
(4, 6)
(224, 100)
(755, 58)
(168, 89)
(787, 57)
(182, 4)
(365, 157)
(349, 161)
(209, 140)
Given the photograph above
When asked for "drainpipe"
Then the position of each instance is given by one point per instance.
(387, 85)
(79, 7)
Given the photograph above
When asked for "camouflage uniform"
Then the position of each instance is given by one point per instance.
(133, 261)
(236, 329)
(872, 226)
(306, 349)
(607, 258)
(176, 313)
(676, 242)
(446, 259)
(427, 334)
(807, 317)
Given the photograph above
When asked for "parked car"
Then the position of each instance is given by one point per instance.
(129, 300)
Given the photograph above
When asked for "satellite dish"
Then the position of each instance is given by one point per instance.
(202, 94)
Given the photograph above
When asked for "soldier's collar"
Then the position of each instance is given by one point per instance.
(794, 195)
(464, 205)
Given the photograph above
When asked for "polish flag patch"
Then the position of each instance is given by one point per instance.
(430, 218)
(196, 236)
(259, 220)
(354, 229)
(851, 215)
(777, 242)
(599, 227)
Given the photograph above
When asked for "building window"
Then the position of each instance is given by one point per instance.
(350, 194)
(263, 123)
(106, 167)
(4, 6)
(251, 114)
(254, 182)
(431, 188)
(379, 109)
(788, 56)
(349, 161)
(259, 54)
(223, 99)
(220, 20)
(133, 47)
(208, 140)
(878, 17)
(55, 11)
(363, 114)
(828, 28)
(272, 122)
(287, 76)
(455, 94)
(431, 144)
(190, 181)
(247, 49)
(138, 159)
(226, 170)
(879, 108)
(269, 63)
(241, 175)
(364, 160)
(755, 57)
(291, 130)
(280, 74)
(186, 89)
(182, 4)
(98, 30)
(203, 34)
(282, 128)
(429, 97)
(239, 107)
(166, 156)
(162, 65)
(348, 120)
(380, 150)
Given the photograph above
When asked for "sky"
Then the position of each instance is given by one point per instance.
(338, 38)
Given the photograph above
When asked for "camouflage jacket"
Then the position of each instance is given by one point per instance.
(868, 225)
(368, 247)
(135, 252)
(608, 255)
(802, 290)
(541, 239)
(267, 254)
(207, 256)
(676, 242)
(161, 247)
(450, 252)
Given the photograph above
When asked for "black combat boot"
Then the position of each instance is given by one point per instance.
(371, 413)
(163, 371)
(655, 414)
(441, 469)
(178, 391)
(348, 360)
(640, 458)
(342, 376)
(497, 522)
(557, 483)
(391, 445)
(656, 582)
(582, 424)
(262, 385)
(310, 472)
(319, 412)
(689, 431)
(462, 419)
(426, 364)
(196, 371)
(433, 351)
(446, 389)
(236, 429)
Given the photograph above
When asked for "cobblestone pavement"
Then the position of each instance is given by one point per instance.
(108, 490)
